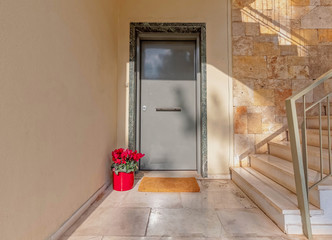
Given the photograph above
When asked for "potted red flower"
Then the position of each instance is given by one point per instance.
(125, 163)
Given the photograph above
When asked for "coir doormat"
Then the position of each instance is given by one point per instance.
(156, 184)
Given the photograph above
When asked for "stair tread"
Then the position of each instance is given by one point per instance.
(276, 196)
(287, 167)
(312, 152)
(316, 131)
(271, 195)
(284, 143)
(280, 189)
(314, 149)
(313, 122)
(316, 117)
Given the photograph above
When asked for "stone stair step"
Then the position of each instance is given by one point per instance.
(282, 150)
(313, 122)
(281, 171)
(276, 201)
(313, 137)
(284, 192)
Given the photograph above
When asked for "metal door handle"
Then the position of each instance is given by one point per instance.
(174, 109)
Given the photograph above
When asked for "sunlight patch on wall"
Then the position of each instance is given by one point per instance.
(281, 18)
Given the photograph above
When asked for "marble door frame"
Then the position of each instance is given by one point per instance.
(136, 29)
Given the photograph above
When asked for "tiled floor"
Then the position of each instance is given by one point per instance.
(219, 211)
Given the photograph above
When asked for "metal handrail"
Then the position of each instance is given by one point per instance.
(299, 156)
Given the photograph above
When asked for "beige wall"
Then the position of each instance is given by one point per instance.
(58, 106)
(63, 69)
(214, 14)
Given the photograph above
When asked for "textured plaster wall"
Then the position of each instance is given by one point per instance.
(58, 107)
(279, 47)
(214, 15)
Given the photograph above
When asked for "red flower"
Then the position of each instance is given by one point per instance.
(116, 154)
(137, 156)
(122, 156)
(126, 154)
(117, 160)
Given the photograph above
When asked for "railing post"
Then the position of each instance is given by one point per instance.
(304, 143)
(300, 182)
(329, 132)
(320, 142)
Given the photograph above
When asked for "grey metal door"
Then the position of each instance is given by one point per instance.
(168, 105)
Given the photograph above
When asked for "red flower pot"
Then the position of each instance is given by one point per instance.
(123, 181)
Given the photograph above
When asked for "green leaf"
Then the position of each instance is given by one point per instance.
(130, 166)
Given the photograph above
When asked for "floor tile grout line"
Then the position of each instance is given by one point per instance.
(226, 233)
(181, 200)
(147, 223)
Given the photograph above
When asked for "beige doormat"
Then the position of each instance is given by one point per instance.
(156, 184)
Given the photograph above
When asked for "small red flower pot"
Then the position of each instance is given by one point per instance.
(123, 181)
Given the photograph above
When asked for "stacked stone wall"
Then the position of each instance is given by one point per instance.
(279, 47)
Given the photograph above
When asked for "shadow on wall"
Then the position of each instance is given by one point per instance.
(189, 123)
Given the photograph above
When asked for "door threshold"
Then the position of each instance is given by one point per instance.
(194, 174)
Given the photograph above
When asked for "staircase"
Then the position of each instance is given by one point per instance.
(269, 182)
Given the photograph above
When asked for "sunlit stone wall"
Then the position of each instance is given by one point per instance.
(279, 47)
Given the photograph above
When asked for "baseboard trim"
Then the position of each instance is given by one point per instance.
(77, 214)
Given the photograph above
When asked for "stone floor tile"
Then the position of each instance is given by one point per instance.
(261, 238)
(248, 223)
(81, 238)
(109, 198)
(251, 238)
(197, 200)
(231, 198)
(216, 185)
(228, 198)
(114, 199)
(160, 238)
(81, 220)
(153, 200)
(190, 238)
(258, 238)
(184, 223)
(134, 198)
(115, 222)
(129, 238)
(294, 237)
(220, 211)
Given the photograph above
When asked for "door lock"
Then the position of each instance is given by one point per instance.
(144, 108)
